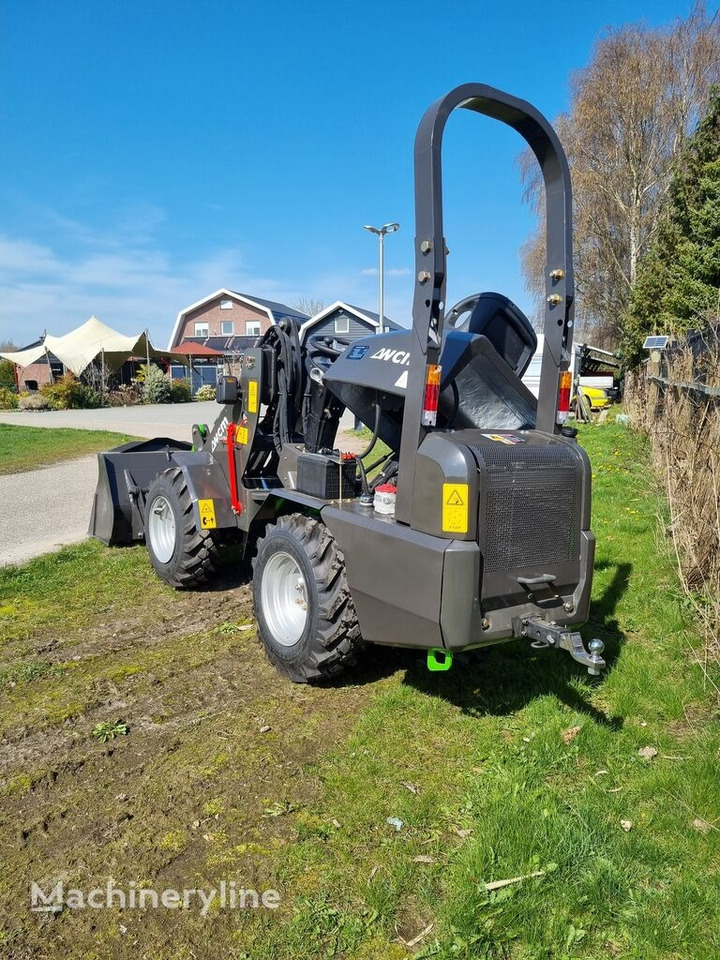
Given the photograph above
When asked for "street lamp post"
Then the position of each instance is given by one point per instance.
(380, 234)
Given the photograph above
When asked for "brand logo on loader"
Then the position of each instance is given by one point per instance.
(220, 434)
(392, 356)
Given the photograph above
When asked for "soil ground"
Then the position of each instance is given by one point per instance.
(216, 735)
(379, 807)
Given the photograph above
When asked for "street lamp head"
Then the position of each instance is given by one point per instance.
(381, 231)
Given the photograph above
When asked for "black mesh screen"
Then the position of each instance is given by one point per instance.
(532, 506)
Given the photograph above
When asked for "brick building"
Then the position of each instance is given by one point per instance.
(227, 322)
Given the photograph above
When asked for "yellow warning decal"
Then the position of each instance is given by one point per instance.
(252, 396)
(241, 435)
(456, 498)
(207, 514)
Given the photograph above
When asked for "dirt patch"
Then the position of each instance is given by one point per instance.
(351, 442)
(221, 750)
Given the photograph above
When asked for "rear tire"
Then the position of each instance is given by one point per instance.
(182, 555)
(305, 614)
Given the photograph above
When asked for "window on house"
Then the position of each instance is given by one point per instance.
(226, 304)
(252, 328)
(227, 328)
(342, 325)
(202, 330)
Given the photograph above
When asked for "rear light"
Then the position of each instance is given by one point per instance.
(432, 395)
(564, 391)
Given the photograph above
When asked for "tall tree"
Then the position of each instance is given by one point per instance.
(309, 305)
(631, 110)
(678, 283)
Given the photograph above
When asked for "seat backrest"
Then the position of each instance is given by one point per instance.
(504, 324)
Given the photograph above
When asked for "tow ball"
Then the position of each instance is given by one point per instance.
(544, 634)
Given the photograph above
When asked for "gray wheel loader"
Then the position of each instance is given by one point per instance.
(471, 527)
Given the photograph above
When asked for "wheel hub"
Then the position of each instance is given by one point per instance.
(161, 529)
(283, 598)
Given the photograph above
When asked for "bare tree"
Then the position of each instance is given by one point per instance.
(8, 346)
(309, 305)
(631, 109)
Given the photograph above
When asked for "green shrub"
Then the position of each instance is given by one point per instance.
(68, 393)
(157, 386)
(180, 392)
(7, 376)
(8, 399)
(206, 393)
(33, 401)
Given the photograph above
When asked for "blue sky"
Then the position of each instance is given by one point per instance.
(155, 151)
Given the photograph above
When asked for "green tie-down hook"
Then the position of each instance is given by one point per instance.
(439, 659)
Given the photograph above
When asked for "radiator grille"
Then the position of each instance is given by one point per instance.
(532, 506)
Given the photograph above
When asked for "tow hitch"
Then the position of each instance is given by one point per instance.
(544, 634)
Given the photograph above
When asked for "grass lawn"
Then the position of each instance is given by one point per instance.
(513, 763)
(26, 448)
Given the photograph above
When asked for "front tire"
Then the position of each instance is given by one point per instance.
(182, 555)
(305, 614)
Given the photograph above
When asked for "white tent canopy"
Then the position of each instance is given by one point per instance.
(23, 358)
(77, 349)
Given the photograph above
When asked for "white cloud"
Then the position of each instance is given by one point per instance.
(122, 275)
(129, 286)
(394, 272)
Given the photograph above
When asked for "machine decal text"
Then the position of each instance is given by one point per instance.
(220, 434)
(394, 356)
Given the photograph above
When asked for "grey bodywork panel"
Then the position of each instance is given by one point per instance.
(478, 389)
(394, 575)
(527, 550)
(415, 590)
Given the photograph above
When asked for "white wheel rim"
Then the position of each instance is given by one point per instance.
(283, 597)
(161, 529)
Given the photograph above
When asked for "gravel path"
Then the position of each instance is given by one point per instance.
(45, 509)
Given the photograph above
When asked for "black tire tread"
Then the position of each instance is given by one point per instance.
(198, 556)
(338, 637)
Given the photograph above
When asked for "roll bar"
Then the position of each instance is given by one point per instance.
(431, 260)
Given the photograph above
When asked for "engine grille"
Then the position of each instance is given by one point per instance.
(532, 506)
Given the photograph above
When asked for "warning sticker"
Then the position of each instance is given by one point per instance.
(241, 435)
(456, 499)
(508, 438)
(252, 396)
(207, 514)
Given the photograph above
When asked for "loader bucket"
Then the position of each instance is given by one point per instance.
(124, 476)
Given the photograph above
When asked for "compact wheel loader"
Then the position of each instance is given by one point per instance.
(470, 528)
